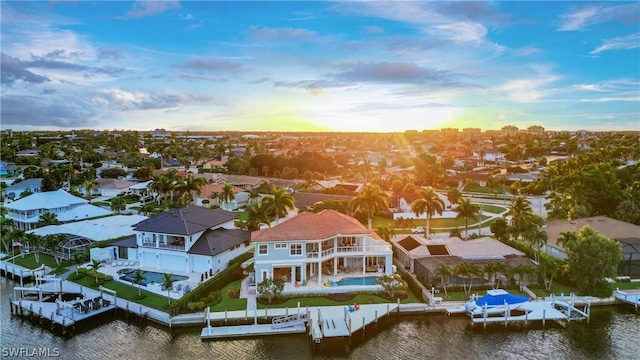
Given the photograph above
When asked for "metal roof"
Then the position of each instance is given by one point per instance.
(213, 242)
(186, 221)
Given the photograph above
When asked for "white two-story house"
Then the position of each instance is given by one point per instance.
(190, 239)
(314, 247)
(26, 212)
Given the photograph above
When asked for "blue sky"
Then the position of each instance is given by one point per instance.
(320, 66)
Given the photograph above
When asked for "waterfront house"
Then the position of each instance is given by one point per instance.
(14, 190)
(312, 247)
(26, 212)
(626, 233)
(186, 240)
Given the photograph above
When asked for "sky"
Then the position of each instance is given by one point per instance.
(380, 66)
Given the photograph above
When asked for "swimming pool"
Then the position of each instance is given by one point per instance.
(150, 276)
(366, 280)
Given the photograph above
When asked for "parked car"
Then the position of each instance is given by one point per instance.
(418, 230)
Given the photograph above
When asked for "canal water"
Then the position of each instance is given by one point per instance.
(612, 333)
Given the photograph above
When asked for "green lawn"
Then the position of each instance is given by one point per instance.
(324, 301)
(626, 285)
(29, 261)
(229, 303)
(494, 209)
(102, 203)
(435, 224)
(129, 292)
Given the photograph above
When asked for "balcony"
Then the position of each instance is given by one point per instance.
(348, 250)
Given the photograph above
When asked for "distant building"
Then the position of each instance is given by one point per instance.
(509, 130)
(162, 133)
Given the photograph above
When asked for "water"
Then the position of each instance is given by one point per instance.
(151, 276)
(366, 280)
(613, 333)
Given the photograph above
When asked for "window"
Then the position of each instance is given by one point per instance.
(263, 249)
(296, 249)
(281, 245)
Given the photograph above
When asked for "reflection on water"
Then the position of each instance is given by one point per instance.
(612, 333)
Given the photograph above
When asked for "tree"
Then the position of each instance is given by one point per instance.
(270, 289)
(392, 284)
(444, 272)
(118, 204)
(429, 203)
(371, 200)
(257, 214)
(89, 185)
(455, 232)
(521, 215)
(454, 195)
(138, 278)
(113, 173)
(501, 269)
(161, 185)
(535, 237)
(94, 266)
(500, 229)
(227, 195)
(466, 210)
(549, 268)
(34, 241)
(144, 173)
(48, 218)
(192, 186)
(466, 270)
(167, 283)
(591, 258)
(491, 269)
(386, 231)
(279, 202)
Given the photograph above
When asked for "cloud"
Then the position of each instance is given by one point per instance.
(142, 9)
(193, 77)
(460, 32)
(532, 88)
(65, 111)
(312, 87)
(104, 53)
(212, 66)
(280, 34)
(116, 99)
(371, 29)
(581, 17)
(619, 43)
(388, 72)
(12, 70)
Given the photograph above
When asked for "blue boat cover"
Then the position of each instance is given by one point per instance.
(500, 299)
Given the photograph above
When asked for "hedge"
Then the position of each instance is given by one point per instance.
(208, 288)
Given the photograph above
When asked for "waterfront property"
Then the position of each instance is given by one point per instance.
(308, 249)
(188, 240)
(26, 212)
(627, 234)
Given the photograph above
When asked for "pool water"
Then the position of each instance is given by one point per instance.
(150, 276)
(366, 280)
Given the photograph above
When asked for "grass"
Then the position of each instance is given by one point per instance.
(321, 300)
(626, 285)
(229, 303)
(129, 293)
(29, 261)
(437, 225)
(101, 203)
(494, 209)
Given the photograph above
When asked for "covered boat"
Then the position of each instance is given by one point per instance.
(495, 301)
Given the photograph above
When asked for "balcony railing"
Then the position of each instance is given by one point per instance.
(171, 247)
(346, 250)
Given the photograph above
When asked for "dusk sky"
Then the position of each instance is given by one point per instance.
(320, 66)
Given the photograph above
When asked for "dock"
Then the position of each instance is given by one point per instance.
(628, 298)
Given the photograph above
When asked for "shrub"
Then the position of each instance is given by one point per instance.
(194, 306)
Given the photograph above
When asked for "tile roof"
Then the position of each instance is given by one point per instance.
(312, 226)
(105, 183)
(210, 189)
(213, 242)
(611, 228)
(186, 221)
(303, 199)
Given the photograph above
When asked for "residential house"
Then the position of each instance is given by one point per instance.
(190, 239)
(26, 212)
(142, 190)
(423, 257)
(14, 190)
(241, 197)
(626, 233)
(316, 246)
(113, 187)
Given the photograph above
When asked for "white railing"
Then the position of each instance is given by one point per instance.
(345, 250)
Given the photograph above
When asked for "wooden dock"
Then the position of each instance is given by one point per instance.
(628, 298)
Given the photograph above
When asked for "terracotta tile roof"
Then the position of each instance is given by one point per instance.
(210, 189)
(186, 221)
(312, 226)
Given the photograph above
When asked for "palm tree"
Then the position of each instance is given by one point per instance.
(501, 269)
(118, 204)
(257, 215)
(253, 195)
(193, 186)
(34, 241)
(227, 195)
(167, 283)
(386, 232)
(491, 268)
(279, 202)
(444, 272)
(52, 243)
(465, 270)
(430, 203)
(95, 265)
(466, 210)
(89, 185)
(161, 185)
(521, 213)
(48, 218)
(536, 237)
(78, 257)
(138, 278)
(371, 200)
(550, 268)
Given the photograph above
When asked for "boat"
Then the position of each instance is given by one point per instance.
(495, 302)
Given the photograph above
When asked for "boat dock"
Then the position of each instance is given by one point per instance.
(629, 298)
(555, 309)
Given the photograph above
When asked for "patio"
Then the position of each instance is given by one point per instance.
(313, 286)
(113, 267)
